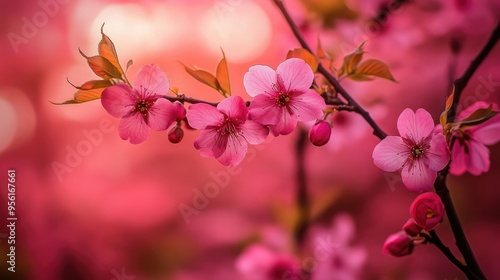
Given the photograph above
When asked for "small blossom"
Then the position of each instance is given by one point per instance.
(175, 134)
(320, 133)
(283, 97)
(180, 111)
(226, 130)
(418, 152)
(469, 152)
(141, 108)
(411, 228)
(398, 244)
(427, 210)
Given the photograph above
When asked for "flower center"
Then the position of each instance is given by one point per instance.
(417, 152)
(142, 106)
(430, 214)
(228, 127)
(282, 100)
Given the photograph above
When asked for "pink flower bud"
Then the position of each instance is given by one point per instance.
(175, 135)
(320, 133)
(398, 244)
(180, 111)
(427, 210)
(411, 228)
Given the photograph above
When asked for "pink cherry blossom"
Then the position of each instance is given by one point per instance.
(141, 108)
(418, 152)
(469, 152)
(226, 130)
(427, 210)
(283, 97)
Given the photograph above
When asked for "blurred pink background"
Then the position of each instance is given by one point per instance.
(114, 212)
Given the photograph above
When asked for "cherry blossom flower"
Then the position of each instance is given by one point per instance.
(226, 130)
(418, 152)
(469, 152)
(427, 210)
(141, 108)
(283, 97)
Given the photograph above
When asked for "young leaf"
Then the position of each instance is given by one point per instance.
(308, 57)
(478, 117)
(107, 50)
(83, 96)
(204, 77)
(373, 67)
(222, 74)
(93, 84)
(352, 60)
(102, 67)
(320, 52)
(443, 119)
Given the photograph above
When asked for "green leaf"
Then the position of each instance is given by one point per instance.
(305, 55)
(222, 75)
(373, 67)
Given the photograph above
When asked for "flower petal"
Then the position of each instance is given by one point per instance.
(134, 128)
(457, 164)
(488, 132)
(210, 143)
(391, 154)
(201, 116)
(259, 79)
(235, 151)
(478, 158)
(309, 106)
(254, 132)
(118, 100)
(286, 125)
(296, 74)
(162, 114)
(438, 154)
(418, 177)
(234, 107)
(263, 110)
(415, 126)
(151, 81)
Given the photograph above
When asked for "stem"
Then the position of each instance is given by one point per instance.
(377, 131)
(446, 251)
(302, 195)
(461, 82)
(182, 98)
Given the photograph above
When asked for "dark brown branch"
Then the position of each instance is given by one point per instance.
(302, 195)
(182, 98)
(377, 131)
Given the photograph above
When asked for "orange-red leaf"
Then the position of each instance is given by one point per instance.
(204, 77)
(374, 67)
(443, 119)
(308, 57)
(107, 50)
(222, 74)
(352, 60)
(82, 96)
(94, 84)
(102, 67)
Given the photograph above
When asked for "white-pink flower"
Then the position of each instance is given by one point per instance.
(418, 152)
(283, 97)
(469, 152)
(226, 130)
(141, 108)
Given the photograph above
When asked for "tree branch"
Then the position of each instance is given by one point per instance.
(302, 195)
(182, 98)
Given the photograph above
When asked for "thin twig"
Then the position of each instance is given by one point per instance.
(302, 195)
(182, 98)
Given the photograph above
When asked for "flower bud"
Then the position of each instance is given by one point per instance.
(320, 133)
(175, 135)
(398, 244)
(180, 111)
(411, 228)
(427, 210)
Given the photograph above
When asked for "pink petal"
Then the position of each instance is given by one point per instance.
(309, 105)
(438, 154)
(211, 144)
(235, 151)
(478, 158)
(296, 74)
(254, 132)
(415, 126)
(162, 114)
(118, 100)
(151, 81)
(457, 164)
(259, 80)
(418, 177)
(286, 125)
(391, 154)
(488, 132)
(234, 107)
(263, 110)
(134, 128)
(201, 116)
